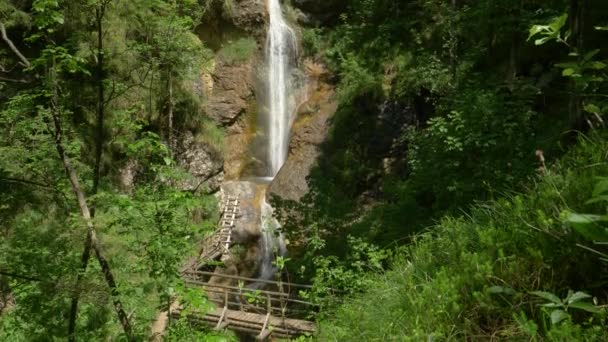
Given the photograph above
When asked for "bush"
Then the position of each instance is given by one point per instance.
(238, 51)
(471, 277)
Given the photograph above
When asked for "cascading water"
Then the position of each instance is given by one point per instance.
(281, 49)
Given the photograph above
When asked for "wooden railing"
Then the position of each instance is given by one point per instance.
(244, 308)
(277, 309)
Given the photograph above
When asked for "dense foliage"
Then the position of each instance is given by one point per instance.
(461, 193)
(94, 225)
(444, 105)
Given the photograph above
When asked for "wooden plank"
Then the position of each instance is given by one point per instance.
(219, 322)
(286, 296)
(287, 326)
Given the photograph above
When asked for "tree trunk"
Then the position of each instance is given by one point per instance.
(576, 13)
(170, 114)
(453, 43)
(92, 236)
(92, 242)
(99, 77)
(99, 14)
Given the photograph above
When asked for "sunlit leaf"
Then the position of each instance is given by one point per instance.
(548, 296)
(577, 297)
(586, 307)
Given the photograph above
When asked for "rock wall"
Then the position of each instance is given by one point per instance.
(308, 133)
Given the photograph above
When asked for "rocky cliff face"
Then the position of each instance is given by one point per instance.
(229, 87)
(308, 133)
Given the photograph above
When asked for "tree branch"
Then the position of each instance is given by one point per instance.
(6, 79)
(24, 60)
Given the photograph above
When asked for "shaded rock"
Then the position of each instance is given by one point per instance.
(203, 163)
(127, 175)
(320, 12)
(249, 15)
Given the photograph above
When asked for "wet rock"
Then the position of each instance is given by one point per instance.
(248, 218)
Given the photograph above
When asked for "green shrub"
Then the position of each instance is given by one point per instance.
(471, 277)
(211, 135)
(238, 51)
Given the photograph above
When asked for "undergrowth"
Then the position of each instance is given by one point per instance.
(472, 277)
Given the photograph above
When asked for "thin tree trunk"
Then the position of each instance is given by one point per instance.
(86, 214)
(93, 243)
(86, 253)
(99, 14)
(453, 43)
(170, 114)
(576, 12)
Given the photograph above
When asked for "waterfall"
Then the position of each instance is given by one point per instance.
(281, 47)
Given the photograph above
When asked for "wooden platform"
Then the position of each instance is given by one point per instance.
(262, 325)
(276, 311)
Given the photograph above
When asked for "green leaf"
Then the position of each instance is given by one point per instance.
(586, 225)
(600, 187)
(598, 65)
(603, 198)
(590, 55)
(536, 29)
(501, 289)
(542, 41)
(591, 108)
(568, 72)
(577, 297)
(558, 316)
(583, 218)
(548, 296)
(586, 307)
(559, 22)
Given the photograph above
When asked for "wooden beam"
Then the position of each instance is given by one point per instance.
(251, 279)
(264, 333)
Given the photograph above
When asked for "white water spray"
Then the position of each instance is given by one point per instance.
(280, 48)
